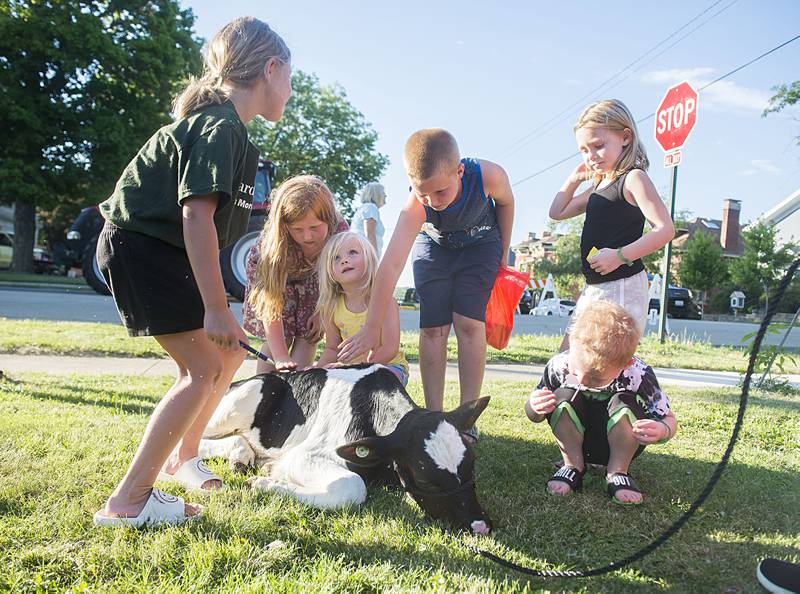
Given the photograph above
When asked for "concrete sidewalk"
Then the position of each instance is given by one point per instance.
(11, 364)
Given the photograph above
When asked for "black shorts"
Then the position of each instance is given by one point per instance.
(454, 280)
(594, 414)
(152, 283)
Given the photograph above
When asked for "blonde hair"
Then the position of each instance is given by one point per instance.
(236, 55)
(375, 193)
(329, 289)
(606, 335)
(612, 114)
(294, 198)
(428, 152)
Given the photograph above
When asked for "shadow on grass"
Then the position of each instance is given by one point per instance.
(81, 394)
(586, 530)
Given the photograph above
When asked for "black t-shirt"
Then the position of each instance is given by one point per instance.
(611, 222)
(204, 153)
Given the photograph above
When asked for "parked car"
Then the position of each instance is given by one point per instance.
(6, 250)
(680, 304)
(525, 302)
(81, 244)
(42, 258)
(554, 307)
(78, 251)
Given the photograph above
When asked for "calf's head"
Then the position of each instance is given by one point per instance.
(434, 461)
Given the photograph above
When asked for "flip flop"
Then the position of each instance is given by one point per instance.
(191, 475)
(621, 481)
(160, 509)
(570, 476)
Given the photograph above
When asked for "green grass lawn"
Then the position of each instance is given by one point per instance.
(65, 441)
(86, 338)
(42, 279)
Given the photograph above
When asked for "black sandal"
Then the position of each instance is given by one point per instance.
(569, 475)
(621, 481)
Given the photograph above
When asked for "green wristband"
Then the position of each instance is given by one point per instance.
(623, 258)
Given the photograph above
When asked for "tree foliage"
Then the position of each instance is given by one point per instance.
(321, 133)
(762, 263)
(702, 266)
(85, 83)
(785, 95)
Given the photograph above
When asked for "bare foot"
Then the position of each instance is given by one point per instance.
(626, 496)
(558, 488)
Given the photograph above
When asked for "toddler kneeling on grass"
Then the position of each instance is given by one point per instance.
(603, 403)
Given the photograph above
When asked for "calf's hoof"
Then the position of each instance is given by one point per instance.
(240, 467)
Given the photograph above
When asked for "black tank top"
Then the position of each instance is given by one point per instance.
(611, 222)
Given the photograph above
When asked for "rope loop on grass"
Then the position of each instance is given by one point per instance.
(678, 524)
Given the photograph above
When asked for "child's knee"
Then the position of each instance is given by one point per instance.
(435, 333)
(206, 369)
(621, 423)
(469, 328)
(564, 422)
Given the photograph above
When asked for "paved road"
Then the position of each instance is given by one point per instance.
(90, 307)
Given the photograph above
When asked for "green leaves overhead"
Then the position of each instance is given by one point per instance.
(322, 133)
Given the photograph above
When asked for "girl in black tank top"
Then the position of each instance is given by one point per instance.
(621, 200)
(611, 222)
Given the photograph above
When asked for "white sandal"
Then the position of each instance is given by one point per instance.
(160, 508)
(192, 475)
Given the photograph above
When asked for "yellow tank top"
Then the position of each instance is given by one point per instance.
(350, 323)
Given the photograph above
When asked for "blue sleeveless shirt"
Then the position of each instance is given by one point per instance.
(470, 219)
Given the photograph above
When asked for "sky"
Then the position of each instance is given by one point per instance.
(509, 81)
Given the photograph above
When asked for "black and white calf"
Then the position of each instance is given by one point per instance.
(318, 434)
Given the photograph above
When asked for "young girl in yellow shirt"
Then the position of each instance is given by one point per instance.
(347, 268)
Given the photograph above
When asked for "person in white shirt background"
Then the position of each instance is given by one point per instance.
(367, 219)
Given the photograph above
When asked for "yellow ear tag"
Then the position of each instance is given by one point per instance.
(591, 253)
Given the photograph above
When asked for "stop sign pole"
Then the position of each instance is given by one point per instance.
(676, 117)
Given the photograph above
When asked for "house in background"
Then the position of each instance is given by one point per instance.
(784, 218)
(727, 231)
(533, 250)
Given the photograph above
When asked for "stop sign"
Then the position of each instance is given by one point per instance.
(676, 116)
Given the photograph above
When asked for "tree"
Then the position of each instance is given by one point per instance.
(703, 266)
(322, 134)
(762, 264)
(84, 84)
(785, 95)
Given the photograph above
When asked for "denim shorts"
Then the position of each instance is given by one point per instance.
(454, 280)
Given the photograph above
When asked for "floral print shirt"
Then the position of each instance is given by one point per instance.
(638, 378)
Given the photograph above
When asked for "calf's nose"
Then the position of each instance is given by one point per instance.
(481, 527)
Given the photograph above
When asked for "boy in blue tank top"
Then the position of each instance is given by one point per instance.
(458, 219)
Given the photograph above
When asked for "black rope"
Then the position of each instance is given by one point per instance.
(643, 552)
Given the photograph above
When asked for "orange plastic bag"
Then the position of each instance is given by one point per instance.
(508, 288)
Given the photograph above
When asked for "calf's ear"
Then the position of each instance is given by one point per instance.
(465, 415)
(367, 451)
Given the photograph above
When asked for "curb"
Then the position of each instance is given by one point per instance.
(45, 286)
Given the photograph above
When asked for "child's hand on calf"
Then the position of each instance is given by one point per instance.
(362, 343)
(286, 364)
(647, 432)
(540, 404)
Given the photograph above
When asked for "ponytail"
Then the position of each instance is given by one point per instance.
(237, 55)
